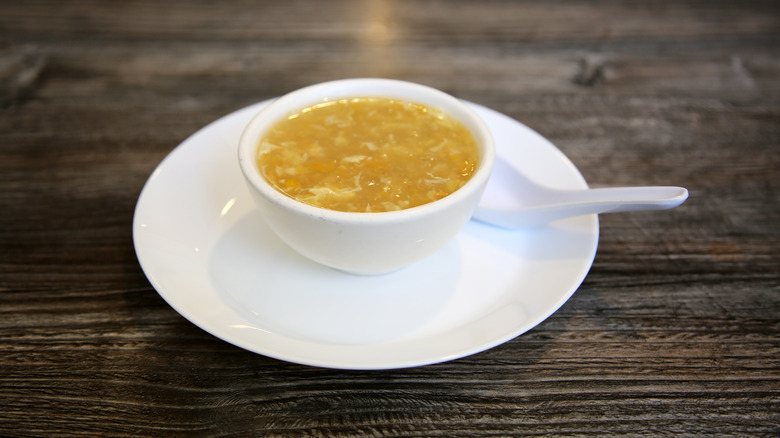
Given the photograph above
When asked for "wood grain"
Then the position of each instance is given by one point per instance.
(675, 331)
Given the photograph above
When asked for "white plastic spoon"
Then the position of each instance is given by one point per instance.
(514, 201)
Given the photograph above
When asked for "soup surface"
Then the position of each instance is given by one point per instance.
(367, 155)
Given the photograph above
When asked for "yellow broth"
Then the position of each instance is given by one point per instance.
(367, 155)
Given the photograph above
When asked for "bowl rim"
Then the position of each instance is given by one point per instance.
(364, 87)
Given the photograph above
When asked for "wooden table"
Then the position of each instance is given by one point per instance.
(674, 331)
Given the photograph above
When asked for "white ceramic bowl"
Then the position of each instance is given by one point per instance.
(365, 243)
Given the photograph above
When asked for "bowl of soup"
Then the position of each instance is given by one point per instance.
(366, 175)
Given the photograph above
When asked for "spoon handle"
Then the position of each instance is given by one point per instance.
(562, 204)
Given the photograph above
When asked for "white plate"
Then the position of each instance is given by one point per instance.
(208, 253)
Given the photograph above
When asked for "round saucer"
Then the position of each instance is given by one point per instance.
(206, 250)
